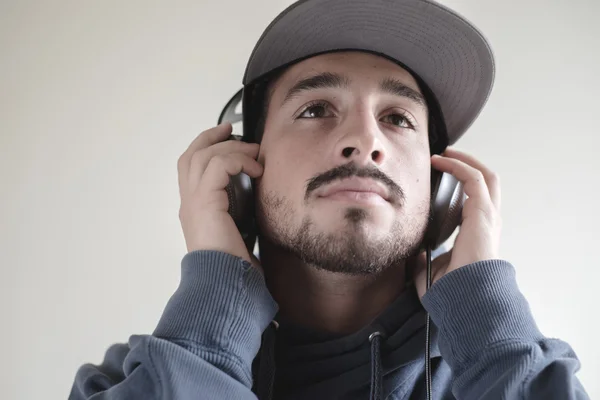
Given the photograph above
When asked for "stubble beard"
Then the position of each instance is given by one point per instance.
(351, 250)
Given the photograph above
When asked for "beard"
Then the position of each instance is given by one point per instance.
(351, 250)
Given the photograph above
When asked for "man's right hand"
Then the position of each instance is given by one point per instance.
(204, 170)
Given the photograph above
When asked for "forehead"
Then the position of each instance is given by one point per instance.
(360, 67)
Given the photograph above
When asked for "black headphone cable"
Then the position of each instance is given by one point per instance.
(428, 332)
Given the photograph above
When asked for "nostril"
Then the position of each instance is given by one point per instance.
(375, 155)
(347, 152)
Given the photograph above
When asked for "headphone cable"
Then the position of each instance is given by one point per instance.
(428, 332)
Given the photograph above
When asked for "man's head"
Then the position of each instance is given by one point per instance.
(354, 121)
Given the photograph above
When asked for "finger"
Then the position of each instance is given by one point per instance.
(207, 138)
(201, 158)
(204, 139)
(221, 167)
(471, 178)
(491, 178)
(210, 137)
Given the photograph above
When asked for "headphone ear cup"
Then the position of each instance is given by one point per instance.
(240, 191)
(241, 207)
(448, 198)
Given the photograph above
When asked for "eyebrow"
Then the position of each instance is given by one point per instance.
(328, 80)
(323, 80)
(397, 88)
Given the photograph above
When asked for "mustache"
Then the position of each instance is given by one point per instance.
(349, 170)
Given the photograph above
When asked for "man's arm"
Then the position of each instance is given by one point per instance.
(204, 344)
(490, 340)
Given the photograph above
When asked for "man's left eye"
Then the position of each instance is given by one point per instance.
(398, 120)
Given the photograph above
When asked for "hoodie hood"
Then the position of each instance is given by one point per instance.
(309, 364)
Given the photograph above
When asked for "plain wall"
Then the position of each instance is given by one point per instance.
(99, 98)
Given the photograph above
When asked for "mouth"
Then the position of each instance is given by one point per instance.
(356, 190)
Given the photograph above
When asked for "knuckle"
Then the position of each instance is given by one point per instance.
(494, 178)
(198, 156)
(183, 213)
(219, 161)
(478, 176)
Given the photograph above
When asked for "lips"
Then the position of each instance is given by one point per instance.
(355, 186)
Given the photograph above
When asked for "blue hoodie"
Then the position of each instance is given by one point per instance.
(215, 340)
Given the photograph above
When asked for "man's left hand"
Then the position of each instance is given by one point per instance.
(479, 236)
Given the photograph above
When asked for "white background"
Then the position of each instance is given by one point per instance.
(99, 98)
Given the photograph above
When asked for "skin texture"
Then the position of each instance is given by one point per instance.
(333, 260)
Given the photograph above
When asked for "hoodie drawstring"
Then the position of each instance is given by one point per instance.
(266, 371)
(376, 368)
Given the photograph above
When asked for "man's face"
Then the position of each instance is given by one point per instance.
(346, 183)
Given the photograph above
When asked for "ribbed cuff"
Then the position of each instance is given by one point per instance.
(222, 303)
(476, 306)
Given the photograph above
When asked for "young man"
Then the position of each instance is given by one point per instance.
(347, 106)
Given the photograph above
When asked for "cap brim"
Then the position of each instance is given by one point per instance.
(444, 49)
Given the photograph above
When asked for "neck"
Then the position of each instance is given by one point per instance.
(327, 301)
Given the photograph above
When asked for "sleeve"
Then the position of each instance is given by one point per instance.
(489, 338)
(203, 346)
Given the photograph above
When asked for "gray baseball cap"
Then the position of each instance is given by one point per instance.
(443, 49)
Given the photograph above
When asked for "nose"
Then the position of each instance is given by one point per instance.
(361, 141)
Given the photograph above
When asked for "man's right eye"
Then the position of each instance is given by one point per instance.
(316, 110)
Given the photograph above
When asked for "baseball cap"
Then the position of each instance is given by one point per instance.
(450, 58)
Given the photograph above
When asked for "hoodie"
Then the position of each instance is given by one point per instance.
(217, 339)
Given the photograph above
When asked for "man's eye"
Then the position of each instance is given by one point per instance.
(316, 111)
(398, 120)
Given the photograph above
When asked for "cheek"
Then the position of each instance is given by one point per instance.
(284, 175)
(415, 177)
(421, 185)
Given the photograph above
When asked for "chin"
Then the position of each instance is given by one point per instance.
(348, 239)
(369, 221)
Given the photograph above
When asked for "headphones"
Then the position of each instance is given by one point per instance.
(447, 194)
